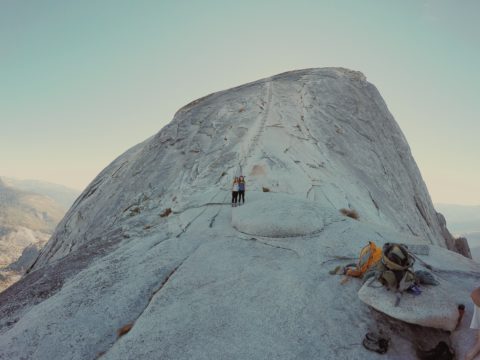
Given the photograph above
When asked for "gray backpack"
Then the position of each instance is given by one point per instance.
(394, 270)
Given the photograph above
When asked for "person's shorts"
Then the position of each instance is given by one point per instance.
(475, 324)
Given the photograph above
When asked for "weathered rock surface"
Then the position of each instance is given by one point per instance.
(208, 281)
(461, 246)
(26, 260)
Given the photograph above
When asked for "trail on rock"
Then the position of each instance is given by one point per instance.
(253, 145)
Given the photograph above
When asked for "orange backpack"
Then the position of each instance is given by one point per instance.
(369, 256)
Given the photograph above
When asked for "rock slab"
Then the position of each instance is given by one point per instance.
(435, 307)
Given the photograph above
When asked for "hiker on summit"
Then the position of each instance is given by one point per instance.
(235, 191)
(475, 324)
(241, 189)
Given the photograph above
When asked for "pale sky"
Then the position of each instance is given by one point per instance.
(82, 81)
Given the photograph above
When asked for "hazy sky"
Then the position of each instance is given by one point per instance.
(82, 81)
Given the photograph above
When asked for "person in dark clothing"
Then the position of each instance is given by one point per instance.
(235, 192)
(241, 190)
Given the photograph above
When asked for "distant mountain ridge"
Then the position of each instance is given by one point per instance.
(476, 250)
(464, 220)
(461, 218)
(28, 209)
(61, 194)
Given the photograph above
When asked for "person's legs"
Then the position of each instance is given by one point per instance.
(242, 196)
(233, 197)
(475, 349)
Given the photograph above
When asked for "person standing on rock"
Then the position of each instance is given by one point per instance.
(475, 324)
(235, 191)
(241, 190)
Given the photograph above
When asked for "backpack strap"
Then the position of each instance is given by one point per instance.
(393, 266)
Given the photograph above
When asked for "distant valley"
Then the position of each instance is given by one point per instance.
(29, 212)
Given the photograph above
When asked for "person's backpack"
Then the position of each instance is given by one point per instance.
(369, 256)
(395, 268)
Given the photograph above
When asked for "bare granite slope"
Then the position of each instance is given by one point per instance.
(154, 244)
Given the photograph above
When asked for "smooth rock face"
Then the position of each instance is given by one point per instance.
(208, 281)
(435, 307)
(281, 216)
